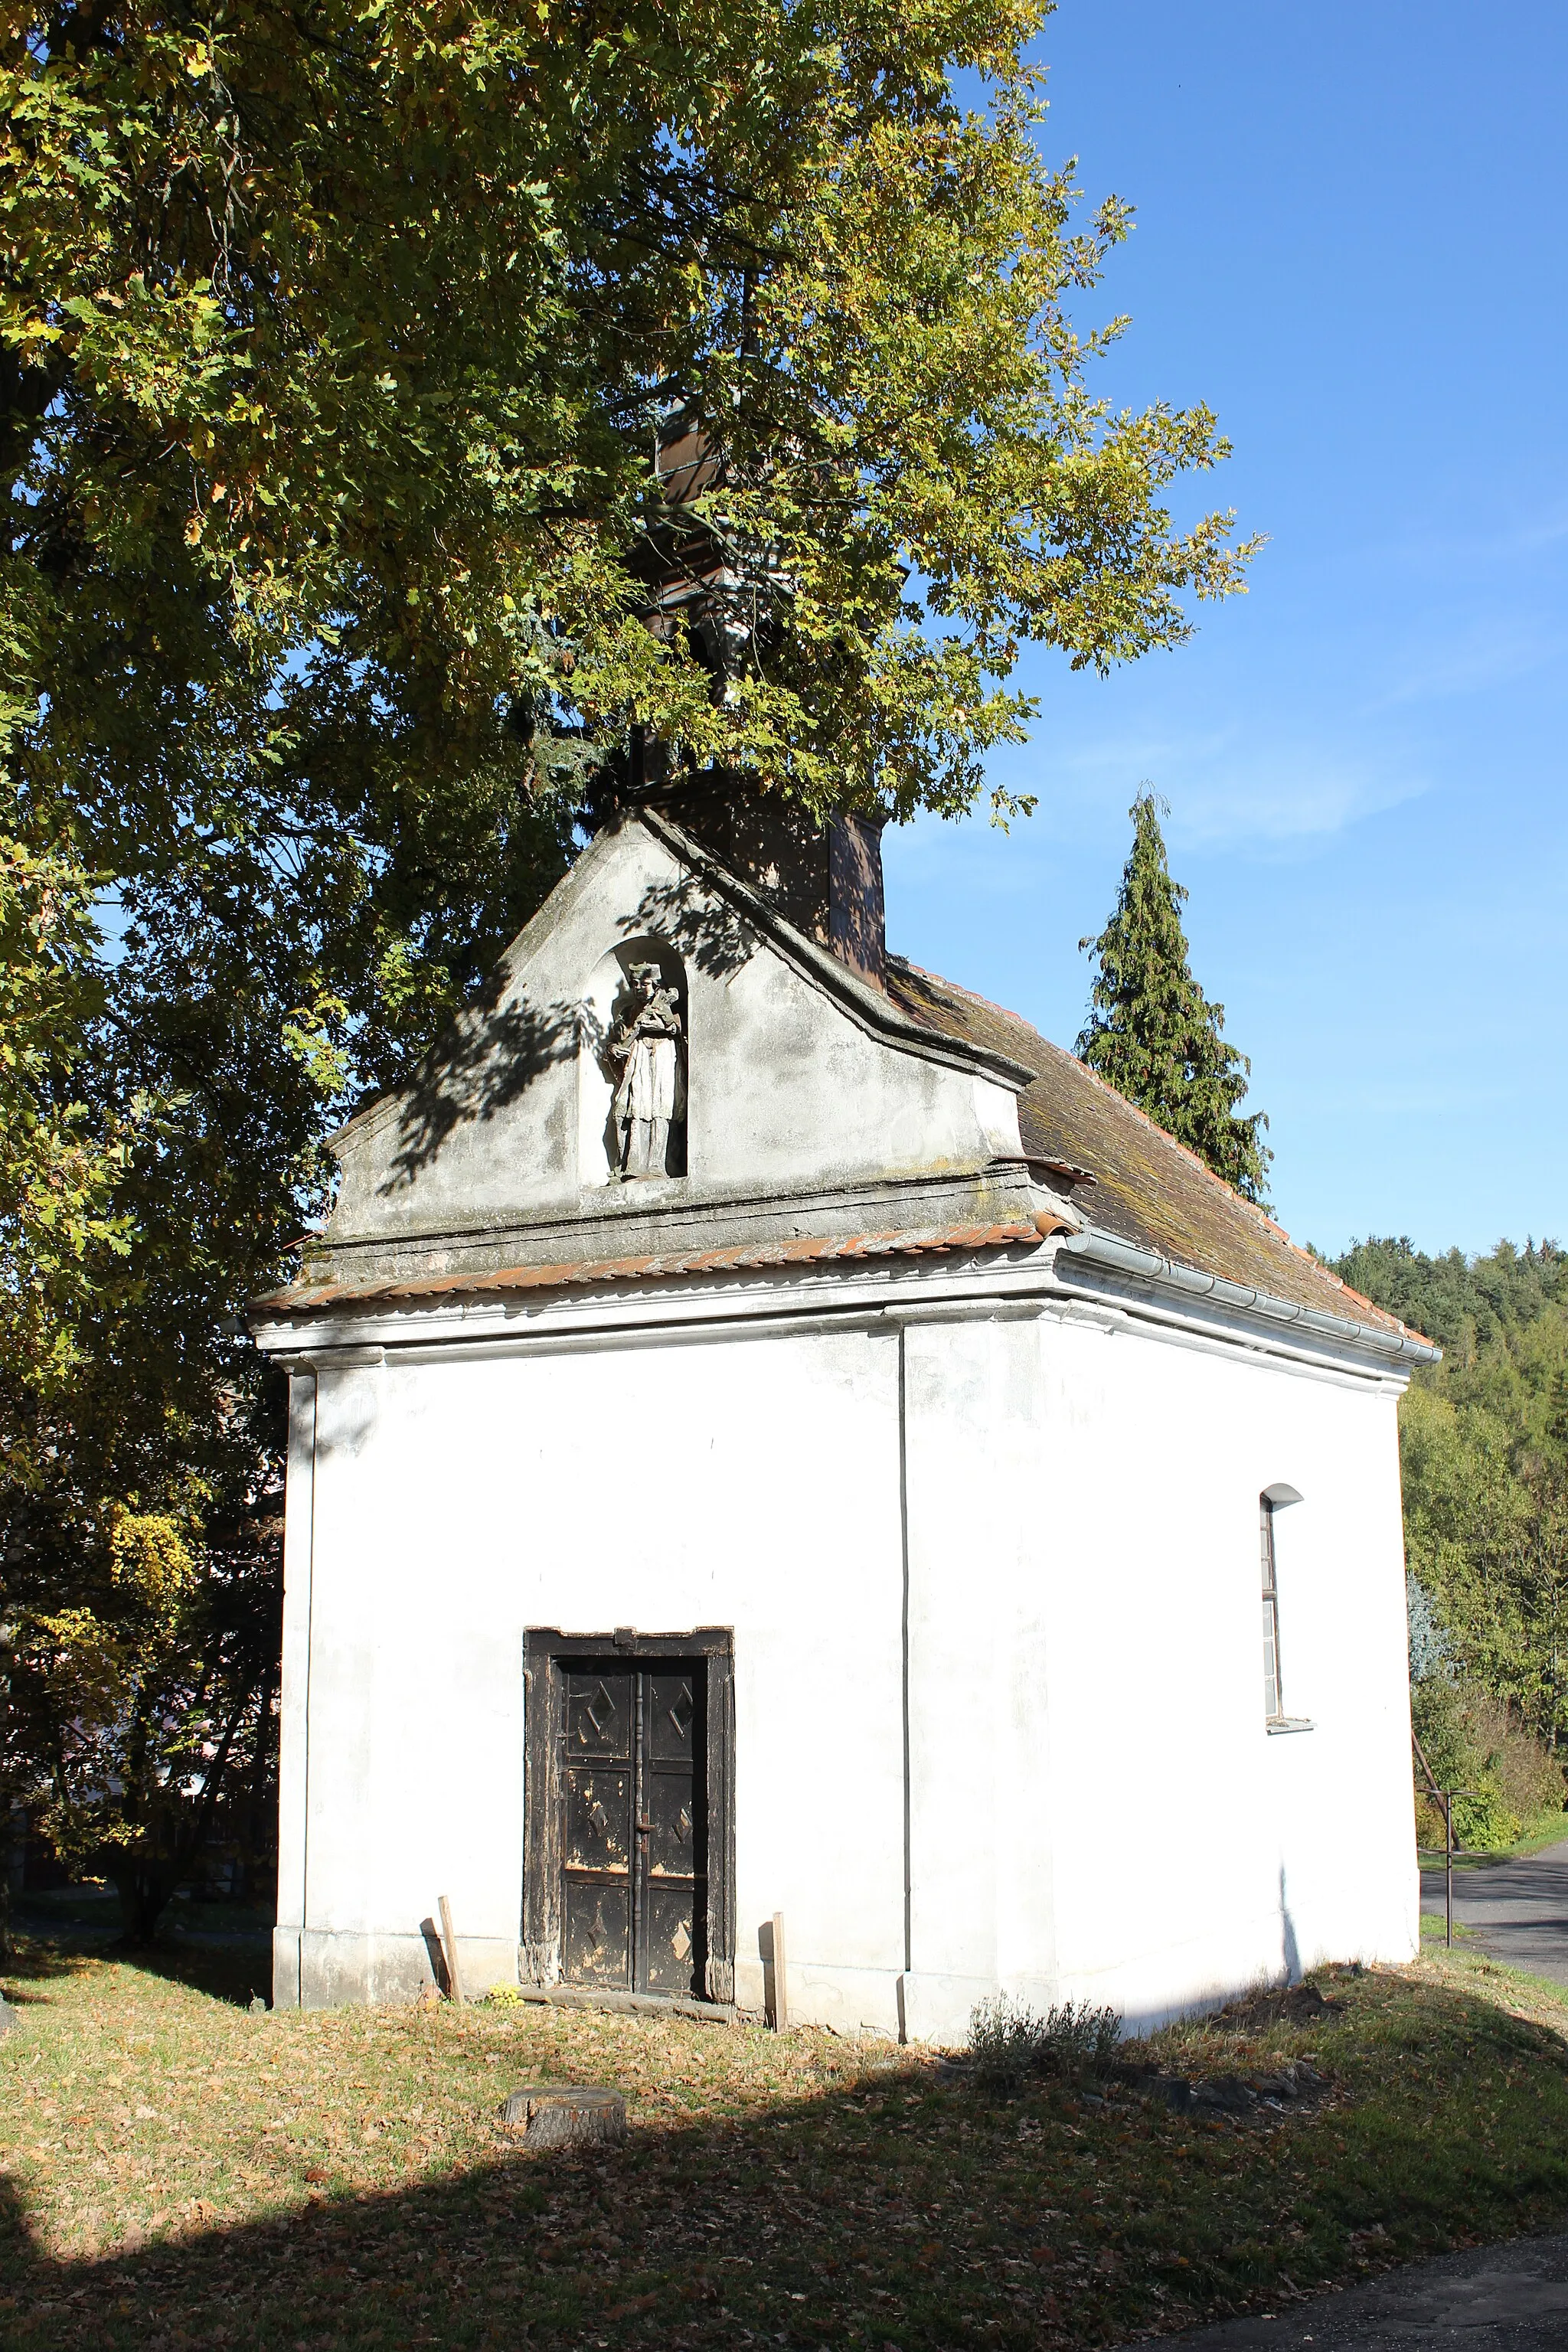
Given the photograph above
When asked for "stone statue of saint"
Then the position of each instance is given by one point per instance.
(651, 1097)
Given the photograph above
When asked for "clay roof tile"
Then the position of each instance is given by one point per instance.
(1150, 1189)
(306, 1297)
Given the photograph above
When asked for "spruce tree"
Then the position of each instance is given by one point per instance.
(1154, 1035)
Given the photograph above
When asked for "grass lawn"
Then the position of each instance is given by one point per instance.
(175, 2170)
(1546, 1829)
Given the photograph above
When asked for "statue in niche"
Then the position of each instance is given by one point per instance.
(647, 1043)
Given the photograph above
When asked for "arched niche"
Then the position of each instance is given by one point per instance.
(609, 999)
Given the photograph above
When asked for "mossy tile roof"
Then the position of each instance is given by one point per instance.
(1149, 1190)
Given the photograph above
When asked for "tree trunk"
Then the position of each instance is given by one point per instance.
(146, 1884)
(254, 1799)
(145, 1888)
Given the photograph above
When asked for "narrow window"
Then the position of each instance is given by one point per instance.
(1273, 1703)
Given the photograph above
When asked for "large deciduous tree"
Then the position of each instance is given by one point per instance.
(343, 345)
(1153, 1035)
(338, 337)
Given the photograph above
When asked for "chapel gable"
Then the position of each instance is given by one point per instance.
(674, 1054)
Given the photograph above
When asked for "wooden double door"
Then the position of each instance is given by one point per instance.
(632, 1787)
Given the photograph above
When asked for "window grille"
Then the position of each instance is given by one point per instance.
(1273, 1702)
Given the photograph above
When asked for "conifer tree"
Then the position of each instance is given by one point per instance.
(1154, 1035)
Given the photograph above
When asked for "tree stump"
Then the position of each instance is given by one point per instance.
(556, 2114)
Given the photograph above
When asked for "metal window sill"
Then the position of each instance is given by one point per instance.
(1288, 1723)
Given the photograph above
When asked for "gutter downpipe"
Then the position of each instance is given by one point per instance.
(1104, 1249)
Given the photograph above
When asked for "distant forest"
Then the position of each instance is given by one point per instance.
(1484, 1454)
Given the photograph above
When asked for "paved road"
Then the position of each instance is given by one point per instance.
(1492, 2299)
(1518, 1910)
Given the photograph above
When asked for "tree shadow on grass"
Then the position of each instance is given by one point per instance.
(232, 1968)
(638, 2247)
(895, 2209)
(803, 2225)
(237, 1970)
(30, 1969)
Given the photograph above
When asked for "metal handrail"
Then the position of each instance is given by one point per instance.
(1444, 1797)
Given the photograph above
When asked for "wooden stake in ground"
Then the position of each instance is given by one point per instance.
(454, 1982)
(781, 1997)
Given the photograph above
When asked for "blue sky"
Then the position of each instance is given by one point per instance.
(1351, 242)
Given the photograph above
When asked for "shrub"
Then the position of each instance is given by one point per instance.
(1008, 2042)
(1473, 1741)
(1485, 1822)
(1527, 1774)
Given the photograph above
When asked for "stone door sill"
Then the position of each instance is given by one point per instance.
(631, 2004)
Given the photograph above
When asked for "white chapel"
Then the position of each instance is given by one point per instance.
(769, 1434)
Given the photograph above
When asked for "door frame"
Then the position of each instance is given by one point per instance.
(544, 1651)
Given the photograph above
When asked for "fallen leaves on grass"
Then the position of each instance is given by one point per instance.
(181, 2169)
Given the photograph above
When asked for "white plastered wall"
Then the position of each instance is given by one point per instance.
(743, 1482)
(1095, 1809)
(1101, 1812)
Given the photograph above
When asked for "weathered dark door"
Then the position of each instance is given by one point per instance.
(633, 1896)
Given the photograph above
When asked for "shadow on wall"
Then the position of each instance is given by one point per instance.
(1290, 1949)
(436, 1953)
(487, 1060)
(701, 929)
(347, 1407)
(493, 1051)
